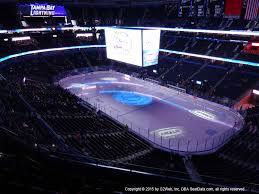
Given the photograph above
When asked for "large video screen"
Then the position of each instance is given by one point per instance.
(151, 43)
(124, 45)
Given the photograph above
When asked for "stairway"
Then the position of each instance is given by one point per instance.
(224, 77)
(236, 48)
(198, 71)
(193, 173)
(208, 52)
(1, 77)
(235, 56)
(229, 23)
(168, 70)
(218, 45)
(134, 155)
(170, 43)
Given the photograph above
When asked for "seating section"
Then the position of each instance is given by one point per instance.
(181, 72)
(210, 73)
(17, 120)
(238, 160)
(248, 57)
(199, 46)
(220, 171)
(239, 81)
(81, 128)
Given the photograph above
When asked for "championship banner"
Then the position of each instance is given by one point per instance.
(215, 8)
(198, 8)
(233, 8)
(185, 8)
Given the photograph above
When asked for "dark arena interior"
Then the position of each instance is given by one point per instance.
(126, 96)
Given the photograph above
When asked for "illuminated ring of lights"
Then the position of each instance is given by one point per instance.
(103, 46)
(231, 32)
(49, 50)
(211, 57)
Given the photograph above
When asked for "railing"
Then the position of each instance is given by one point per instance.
(176, 88)
(180, 145)
(152, 171)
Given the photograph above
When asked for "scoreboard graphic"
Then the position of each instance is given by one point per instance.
(133, 46)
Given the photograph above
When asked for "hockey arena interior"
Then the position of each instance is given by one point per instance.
(126, 96)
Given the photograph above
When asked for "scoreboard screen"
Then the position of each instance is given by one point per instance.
(151, 43)
(133, 46)
(124, 45)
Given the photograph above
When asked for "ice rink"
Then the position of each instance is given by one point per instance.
(169, 119)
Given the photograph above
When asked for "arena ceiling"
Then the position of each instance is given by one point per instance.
(99, 2)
